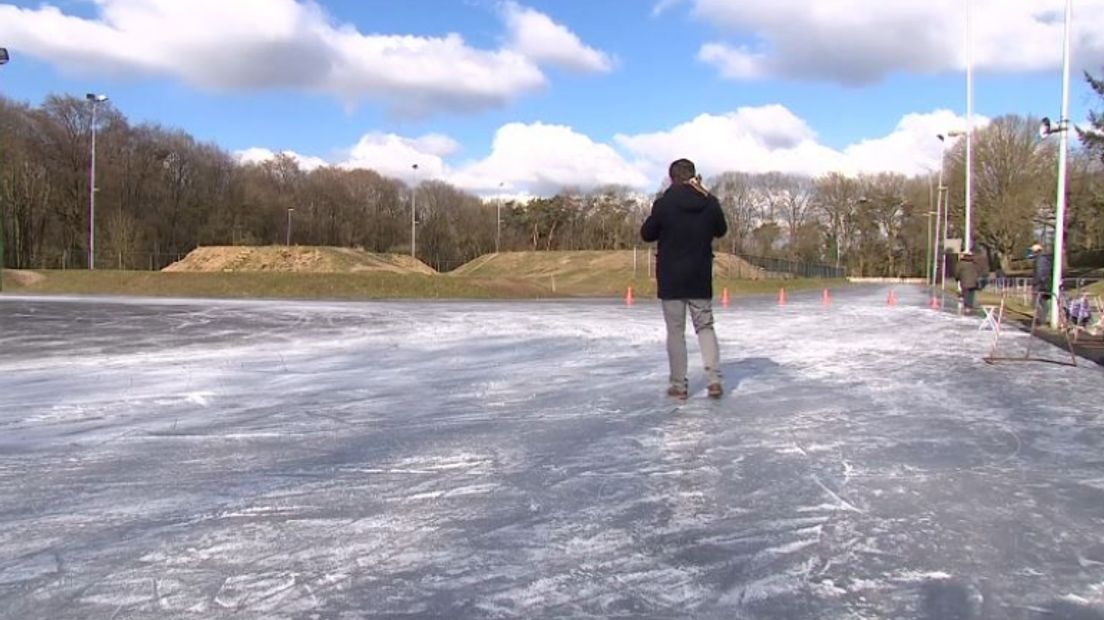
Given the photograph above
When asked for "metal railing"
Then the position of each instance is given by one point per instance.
(800, 269)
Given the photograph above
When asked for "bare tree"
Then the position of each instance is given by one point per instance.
(836, 198)
(1014, 180)
(734, 191)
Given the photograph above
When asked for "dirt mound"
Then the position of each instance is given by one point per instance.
(568, 266)
(296, 258)
(546, 263)
(20, 277)
(730, 266)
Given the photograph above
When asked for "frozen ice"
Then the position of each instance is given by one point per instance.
(460, 459)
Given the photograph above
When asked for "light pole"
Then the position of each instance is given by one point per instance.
(839, 226)
(967, 229)
(937, 245)
(287, 242)
(930, 252)
(942, 206)
(95, 100)
(1060, 211)
(3, 61)
(414, 212)
(498, 220)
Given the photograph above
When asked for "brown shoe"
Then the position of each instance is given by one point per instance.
(715, 390)
(676, 392)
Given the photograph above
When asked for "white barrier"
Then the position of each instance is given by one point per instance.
(888, 280)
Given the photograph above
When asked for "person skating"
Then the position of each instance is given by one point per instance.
(1041, 280)
(684, 221)
(966, 272)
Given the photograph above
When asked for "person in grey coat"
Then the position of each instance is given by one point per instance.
(684, 221)
(1041, 280)
(966, 272)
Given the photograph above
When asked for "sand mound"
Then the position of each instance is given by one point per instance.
(295, 259)
(735, 268)
(20, 277)
(586, 264)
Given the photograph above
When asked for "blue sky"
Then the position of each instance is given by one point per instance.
(546, 93)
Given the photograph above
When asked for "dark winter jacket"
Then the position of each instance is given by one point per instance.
(684, 221)
(981, 259)
(966, 272)
(1043, 273)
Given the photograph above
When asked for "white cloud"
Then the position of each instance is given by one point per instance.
(256, 155)
(524, 159)
(542, 159)
(912, 148)
(395, 156)
(862, 41)
(662, 6)
(751, 139)
(293, 44)
(534, 35)
(738, 64)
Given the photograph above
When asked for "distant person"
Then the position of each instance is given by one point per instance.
(685, 220)
(1041, 278)
(966, 272)
(1079, 311)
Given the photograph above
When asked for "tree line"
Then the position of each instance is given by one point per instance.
(160, 193)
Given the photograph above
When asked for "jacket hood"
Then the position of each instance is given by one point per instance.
(687, 198)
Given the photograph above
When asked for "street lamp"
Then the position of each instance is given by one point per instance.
(839, 226)
(931, 247)
(942, 206)
(1062, 128)
(498, 220)
(287, 242)
(3, 61)
(967, 229)
(95, 100)
(413, 213)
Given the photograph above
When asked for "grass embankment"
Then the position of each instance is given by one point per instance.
(354, 285)
(280, 285)
(315, 273)
(607, 274)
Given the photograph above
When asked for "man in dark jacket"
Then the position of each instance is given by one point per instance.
(1041, 280)
(685, 220)
(966, 272)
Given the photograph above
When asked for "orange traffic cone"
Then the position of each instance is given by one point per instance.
(826, 297)
(891, 300)
(629, 297)
(781, 297)
(724, 297)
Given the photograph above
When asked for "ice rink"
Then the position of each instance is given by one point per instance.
(222, 459)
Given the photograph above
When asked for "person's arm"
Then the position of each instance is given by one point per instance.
(650, 230)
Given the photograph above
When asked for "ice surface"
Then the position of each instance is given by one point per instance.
(230, 459)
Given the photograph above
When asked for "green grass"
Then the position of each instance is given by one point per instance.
(372, 285)
(282, 285)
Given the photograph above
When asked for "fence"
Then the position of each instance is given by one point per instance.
(1023, 288)
(132, 261)
(799, 269)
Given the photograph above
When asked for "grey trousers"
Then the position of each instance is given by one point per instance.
(701, 315)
